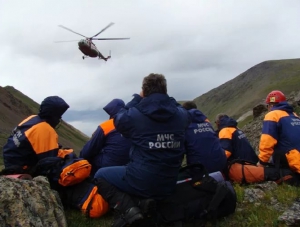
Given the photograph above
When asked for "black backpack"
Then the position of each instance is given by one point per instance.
(197, 199)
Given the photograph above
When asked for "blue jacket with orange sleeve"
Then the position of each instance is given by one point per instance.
(234, 141)
(156, 126)
(35, 137)
(107, 147)
(281, 136)
(202, 144)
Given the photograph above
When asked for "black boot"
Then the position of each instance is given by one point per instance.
(148, 207)
(126, 210)
(131, 216)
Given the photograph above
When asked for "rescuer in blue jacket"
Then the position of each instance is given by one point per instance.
(35, 137)
(107, 147)
(233, 140)
(280, 137)
(202, 144)
(156, 125)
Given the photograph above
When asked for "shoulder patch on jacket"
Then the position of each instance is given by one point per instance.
(107, 126)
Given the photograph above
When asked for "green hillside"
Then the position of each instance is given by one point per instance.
(234, 97)
(242, 93)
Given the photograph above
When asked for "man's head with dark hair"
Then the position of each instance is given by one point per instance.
(154, 83)
(189, 105)
(219, 117)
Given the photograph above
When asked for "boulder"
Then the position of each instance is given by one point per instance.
(259, 110)
(30, 203)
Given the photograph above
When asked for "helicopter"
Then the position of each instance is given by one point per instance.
(87, 47)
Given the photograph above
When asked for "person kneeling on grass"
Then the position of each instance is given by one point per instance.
(156, 125)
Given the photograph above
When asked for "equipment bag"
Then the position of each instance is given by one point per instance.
(84, 196)
(244, 172)
(197, 197)
(74, 171)
(241, 171)
(63, 171)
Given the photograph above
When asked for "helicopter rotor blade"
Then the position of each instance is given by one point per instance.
(110, 24)
(109, 38)
(66, 41)
(71, 30)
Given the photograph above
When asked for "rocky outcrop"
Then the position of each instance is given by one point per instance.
(259, 110)
(30, 203)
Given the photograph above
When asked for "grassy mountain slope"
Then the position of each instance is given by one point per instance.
(235, 97)
(242, 93)
(15, 106)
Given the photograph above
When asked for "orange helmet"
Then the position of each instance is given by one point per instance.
(275, 96)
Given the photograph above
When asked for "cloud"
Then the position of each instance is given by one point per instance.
(198, 45)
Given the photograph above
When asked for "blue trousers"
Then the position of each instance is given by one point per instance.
(115, 175)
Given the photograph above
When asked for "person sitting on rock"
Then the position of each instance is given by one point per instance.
(233, 140)
(107, 147)
(202, 144)
(279, 142)
(35, 137)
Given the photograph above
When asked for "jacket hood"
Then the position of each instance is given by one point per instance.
(283, 106)
(159, 107)
(197, 116)
(53, 107)
(113, 107)
(226, 121)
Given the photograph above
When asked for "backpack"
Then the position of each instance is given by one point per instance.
(198, 197)
(84, 196)
(245, 172)
(63, 171)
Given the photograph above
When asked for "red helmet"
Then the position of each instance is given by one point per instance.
(275, 96)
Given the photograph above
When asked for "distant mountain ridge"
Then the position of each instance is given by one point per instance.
(241, 94)
(235, 97)
(15, 107)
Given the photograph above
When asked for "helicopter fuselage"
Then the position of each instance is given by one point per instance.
(88, 48)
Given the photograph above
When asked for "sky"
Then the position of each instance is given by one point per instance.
(198, 45)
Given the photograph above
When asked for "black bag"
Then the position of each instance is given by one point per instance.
(199, 197)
